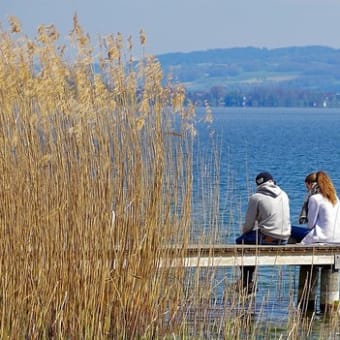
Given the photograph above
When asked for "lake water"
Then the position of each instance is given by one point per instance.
(289, 143)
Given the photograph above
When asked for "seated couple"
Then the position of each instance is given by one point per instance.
(267, 220)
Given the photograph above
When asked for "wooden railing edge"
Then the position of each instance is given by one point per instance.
(232, 249)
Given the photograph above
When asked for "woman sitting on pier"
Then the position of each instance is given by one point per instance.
(323, 215)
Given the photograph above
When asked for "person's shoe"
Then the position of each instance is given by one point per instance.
(251, 288)
(246, 289)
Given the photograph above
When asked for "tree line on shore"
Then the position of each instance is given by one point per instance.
(294, 76)
(264, 97)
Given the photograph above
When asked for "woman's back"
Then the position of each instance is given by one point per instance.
(323, 219)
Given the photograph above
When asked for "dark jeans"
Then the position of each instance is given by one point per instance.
(298, 233)
(255, 237)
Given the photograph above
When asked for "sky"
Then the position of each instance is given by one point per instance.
(188, 25)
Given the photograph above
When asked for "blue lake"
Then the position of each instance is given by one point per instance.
(287, 142)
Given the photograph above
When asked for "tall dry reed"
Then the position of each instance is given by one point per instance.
(96, 181)
(76, 145)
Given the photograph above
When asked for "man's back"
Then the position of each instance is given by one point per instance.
(268, 208)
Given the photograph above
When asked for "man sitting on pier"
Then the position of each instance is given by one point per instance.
(267, 222)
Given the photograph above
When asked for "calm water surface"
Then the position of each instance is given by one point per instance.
(289, 143)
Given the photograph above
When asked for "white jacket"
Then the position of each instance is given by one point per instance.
(268, 209)
(323, 220)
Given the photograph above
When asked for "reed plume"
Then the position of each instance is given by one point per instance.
(77, 144)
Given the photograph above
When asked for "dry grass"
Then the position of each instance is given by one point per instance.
(75, 145)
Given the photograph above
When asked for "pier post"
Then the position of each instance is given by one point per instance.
(329, 289)
(308, 278)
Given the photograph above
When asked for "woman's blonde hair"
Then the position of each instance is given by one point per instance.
(326, 186)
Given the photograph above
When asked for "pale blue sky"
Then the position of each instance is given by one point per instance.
(188, 25)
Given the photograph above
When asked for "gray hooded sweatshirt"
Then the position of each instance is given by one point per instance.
(268, 210)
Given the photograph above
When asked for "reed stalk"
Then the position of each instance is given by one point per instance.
(78, 144)
(96, 184)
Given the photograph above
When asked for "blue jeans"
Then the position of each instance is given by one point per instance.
(298, 233)
(255, 237)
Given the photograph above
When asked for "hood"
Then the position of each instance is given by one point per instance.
(269, 189)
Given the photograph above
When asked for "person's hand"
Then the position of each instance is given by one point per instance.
(302, 220)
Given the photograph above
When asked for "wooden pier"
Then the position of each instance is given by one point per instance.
(246, 255)
(310, 258)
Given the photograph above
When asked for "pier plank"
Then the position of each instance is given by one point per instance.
(239, 255)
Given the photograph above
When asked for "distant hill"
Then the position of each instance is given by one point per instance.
(311, 71)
